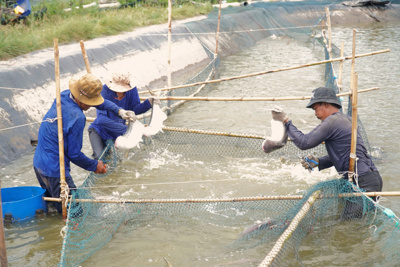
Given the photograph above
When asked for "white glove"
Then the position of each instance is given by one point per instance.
(127, 114)
(279, 114)
(154, 100)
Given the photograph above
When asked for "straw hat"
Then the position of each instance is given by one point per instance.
(324, 95)
(87, 90)
(119, 82)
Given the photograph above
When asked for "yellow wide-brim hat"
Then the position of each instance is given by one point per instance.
(87, 89)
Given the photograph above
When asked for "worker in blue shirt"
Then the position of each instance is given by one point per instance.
(109, 126)
(335, 130)
(82, 94)
(15, 11)
(22, 8)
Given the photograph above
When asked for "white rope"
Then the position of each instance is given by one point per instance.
(355, 175)
(22, 125)
(51, 120)
(135, 185)
(386, 211)
(370, 238)
(65, 194)
(230, 32)
(18, 126)
(170, 183)
(11, 88)
(122, 204)
(63, 231)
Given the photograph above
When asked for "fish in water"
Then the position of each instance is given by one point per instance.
(277, 139)
(156, 122)
(267, 224)
(258, 225)
(131, 137)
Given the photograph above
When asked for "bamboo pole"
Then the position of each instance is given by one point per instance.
(192, 98)
(219, 21)
(3, 250)
(85, 57)
(289, 230)
(239, 199)
(340, 78)
(267, 72)
(354, 128)
(353, 88)
(286, 98)
(60, 129)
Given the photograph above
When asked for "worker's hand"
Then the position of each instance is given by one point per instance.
(279, 114)
(127, 114)
(101, 168)
(154, 101)
(309, 162)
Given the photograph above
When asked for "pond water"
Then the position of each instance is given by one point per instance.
(170, 175)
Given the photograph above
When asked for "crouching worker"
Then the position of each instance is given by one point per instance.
(335, 130)
(107, 125)
(15, 11)
(82, 94)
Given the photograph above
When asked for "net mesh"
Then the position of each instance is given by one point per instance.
(92, 222)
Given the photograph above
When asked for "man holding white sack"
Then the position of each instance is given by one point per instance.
(108, 126)
(335, 131)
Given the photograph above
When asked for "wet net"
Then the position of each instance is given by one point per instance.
(284, 227)
(336, 211)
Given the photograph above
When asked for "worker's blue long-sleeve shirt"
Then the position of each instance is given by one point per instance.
(46, 158)
(109, 125)
(335, 131)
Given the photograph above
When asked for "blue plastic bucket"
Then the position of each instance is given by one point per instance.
(23, 201)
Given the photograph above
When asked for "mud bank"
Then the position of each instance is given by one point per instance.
(27, 83)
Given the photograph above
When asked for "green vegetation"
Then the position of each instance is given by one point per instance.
(41, 27)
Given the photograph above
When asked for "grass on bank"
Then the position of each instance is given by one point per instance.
(85, 24)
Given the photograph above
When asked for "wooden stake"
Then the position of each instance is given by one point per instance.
(60, 129)
(353, 88)
(266, 72)
(85, 57)
(3, 250)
